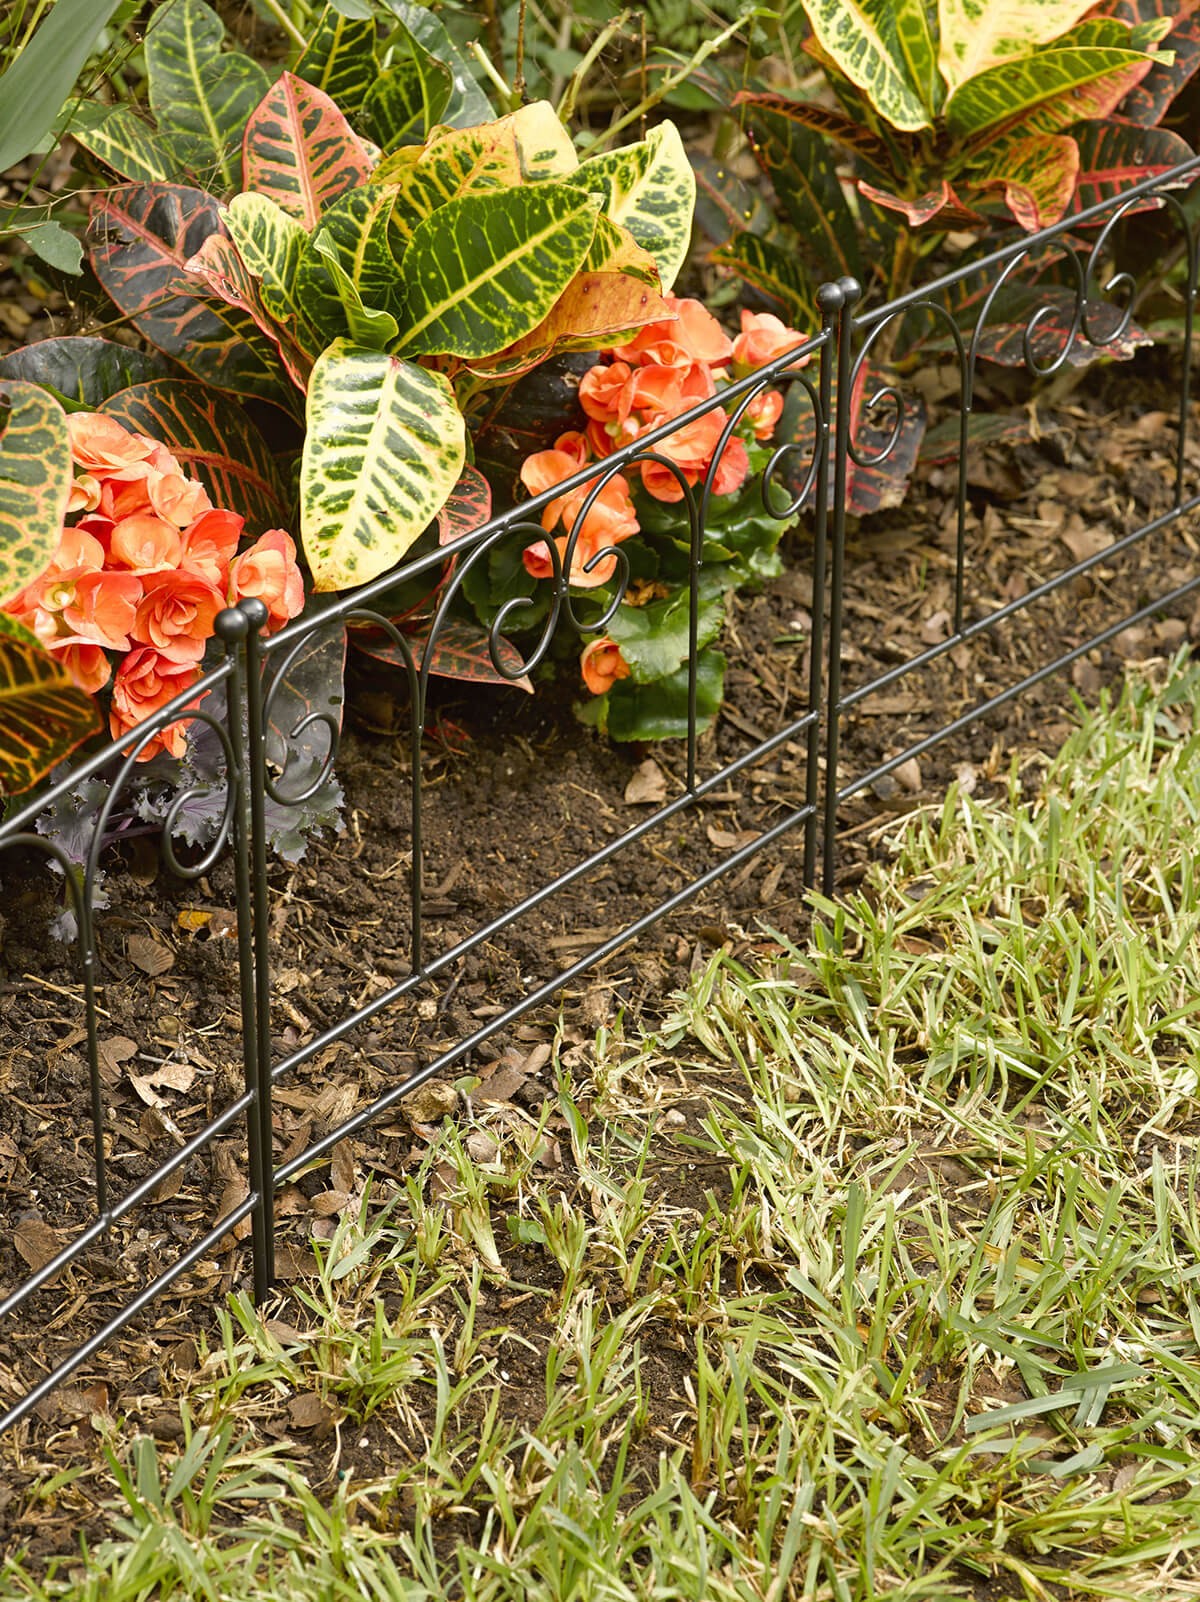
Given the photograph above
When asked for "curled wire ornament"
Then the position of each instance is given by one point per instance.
(891, 395)
(784, 452)
(273, 785)
(510, 672)
(1125, 281)
(142, 735)
(621, 559)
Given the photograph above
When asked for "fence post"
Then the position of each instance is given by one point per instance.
(851, 292)
(829, 299)
(237, 627)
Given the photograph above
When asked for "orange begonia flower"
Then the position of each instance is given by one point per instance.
(763, 412)
(145, 681)
(145, 544)
(101, 445)
(763, 337)
(175, 614)
(606, 393)
(602, 665)
(269, 571)
(209, 545)
(610, 519)
(691, 448)
(692, 335)
(87, 664)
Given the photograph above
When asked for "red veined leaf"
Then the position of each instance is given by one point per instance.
(222, 269)
(875, 486)
(1113, 155)
(1037, 172)
(941, 203)
(826, 121)
(142, 236)
(467, 508)
(1149, 102)
(43, 713)
(871, 486)
(461, 651)
(213, 440)
(1005, 343)
(300, 151)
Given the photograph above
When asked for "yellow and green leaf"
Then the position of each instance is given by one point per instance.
(43, 713)
(339, 58)
(197, 89)
(593, 310)
(271, 243)
(348, 279)
(529, 145)
(862, 38)
(385, 446)
(35, 480)
(485, 269)
(119, 138)
(650, 190)
(1049, 91)
(979, 34)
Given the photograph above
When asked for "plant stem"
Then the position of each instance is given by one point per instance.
(285, 23)
(519, 71)
(671, 80)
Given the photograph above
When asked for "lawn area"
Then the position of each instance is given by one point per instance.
(874, 1274)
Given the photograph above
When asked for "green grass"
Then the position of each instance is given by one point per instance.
(905, 1307)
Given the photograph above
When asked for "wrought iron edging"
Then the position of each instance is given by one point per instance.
(819, 485)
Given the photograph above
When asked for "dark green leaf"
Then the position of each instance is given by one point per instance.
(85, 369)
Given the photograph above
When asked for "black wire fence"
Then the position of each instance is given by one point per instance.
(1071, 303)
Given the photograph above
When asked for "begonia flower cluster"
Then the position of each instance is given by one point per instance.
(668, 368)
(128, 600)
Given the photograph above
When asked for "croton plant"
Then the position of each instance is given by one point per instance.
(372, 262)
(945, 117)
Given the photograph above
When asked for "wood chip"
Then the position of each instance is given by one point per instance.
(1083, 540)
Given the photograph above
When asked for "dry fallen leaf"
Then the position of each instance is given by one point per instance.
(724, 840)
(111, 1054)
(311, 1412)
(482, 1148)
(647, 787)
(167, 1076)
(36, 1241)
(151, 956)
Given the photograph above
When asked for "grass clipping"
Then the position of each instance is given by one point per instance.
(873, 1276)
